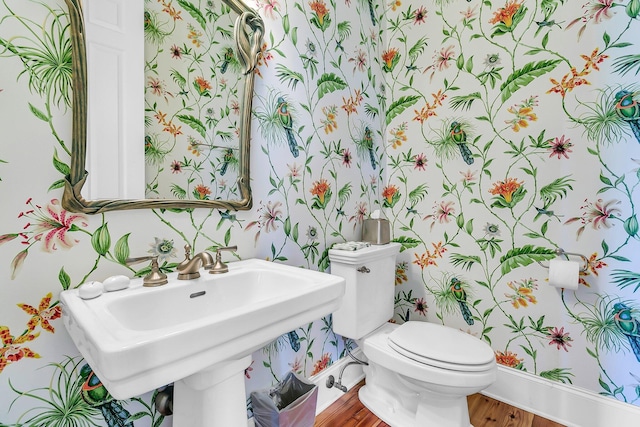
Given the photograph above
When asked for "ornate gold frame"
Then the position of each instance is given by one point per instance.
(249, 31)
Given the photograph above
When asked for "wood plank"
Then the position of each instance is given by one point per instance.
(484, 411)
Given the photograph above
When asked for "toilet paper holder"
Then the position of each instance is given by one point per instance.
(561, 252)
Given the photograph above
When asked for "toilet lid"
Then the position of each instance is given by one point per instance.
(441, 346)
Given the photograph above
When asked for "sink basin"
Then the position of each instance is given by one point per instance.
(141, 338)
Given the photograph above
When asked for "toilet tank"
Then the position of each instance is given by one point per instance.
(370, 281)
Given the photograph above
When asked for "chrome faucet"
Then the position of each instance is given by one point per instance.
(220, 267)
(188, 269)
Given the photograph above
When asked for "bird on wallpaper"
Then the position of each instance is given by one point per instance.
(371, 12)
(627, 109)
(228, 57)
(294, 340)
(367, 144)
(227, 216)
(287, 123)
(459, 136)
(226, 160)
(95, 394)
(628, 325)
(461, 296)
(544, 211)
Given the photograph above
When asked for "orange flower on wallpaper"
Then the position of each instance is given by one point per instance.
(43, 314)
(390, 58)
(401, 272)
(524, 292)
(429, 258)
(194, 35)
(173, 129)
(320, 189)
(11, 350)
(506, 188)
(201, 192)
(321, 364)
(264, 56)
(330, 124)
(350, 105)
(523, 113)
(569, 82)
(429, 110)
(508, 359)
(202, 85)
(505, 14)
(171, 11)
(593, 60)
(574, 78)
(168, 125)
(320, 9)
(398, 135)
(390, 194)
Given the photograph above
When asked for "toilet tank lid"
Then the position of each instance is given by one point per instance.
(370, 253)
(441, 343)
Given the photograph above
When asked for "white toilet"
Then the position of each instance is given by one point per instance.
(419, 374)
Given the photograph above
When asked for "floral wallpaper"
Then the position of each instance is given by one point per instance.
(193, 88)
(315, 176)
(506, 126)
(489, 133)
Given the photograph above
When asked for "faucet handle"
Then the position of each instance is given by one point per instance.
(220, 267)
(155, 277)
(187, 258)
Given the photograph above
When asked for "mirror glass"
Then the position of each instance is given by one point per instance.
(185, 142)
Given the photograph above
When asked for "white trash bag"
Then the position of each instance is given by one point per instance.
(291, 403)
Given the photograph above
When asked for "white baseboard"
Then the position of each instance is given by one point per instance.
(562, 403)
(352, 375)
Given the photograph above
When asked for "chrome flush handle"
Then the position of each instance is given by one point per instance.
(364, 269)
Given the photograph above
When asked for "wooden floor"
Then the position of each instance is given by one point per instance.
(484, 412)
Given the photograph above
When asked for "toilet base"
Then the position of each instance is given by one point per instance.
(400, 403)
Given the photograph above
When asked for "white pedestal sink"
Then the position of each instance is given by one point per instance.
(198, 334)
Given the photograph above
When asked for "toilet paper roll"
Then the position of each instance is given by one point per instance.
(564, 274)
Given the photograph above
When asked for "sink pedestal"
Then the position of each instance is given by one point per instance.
(213, 397)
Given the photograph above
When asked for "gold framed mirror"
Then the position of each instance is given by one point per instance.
(247, 38)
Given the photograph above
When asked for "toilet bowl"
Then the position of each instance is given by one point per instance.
(418, 373)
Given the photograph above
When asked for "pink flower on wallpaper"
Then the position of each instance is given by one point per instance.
(420, 306)
(247, 372)
(598, 10)
(52, 225)
(269, 7)
(296, 365)
(346, 157)
(560, 147)
(469, 176)
(559, 338)
(442, 212)
(269, 216)
(359, 61)
(360, 214)
(420, 161)
(469, 13)
(443, 58)
(419, 15)
(294, 170)
(598, 214)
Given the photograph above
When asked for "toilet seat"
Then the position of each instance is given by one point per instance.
(441, 347)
